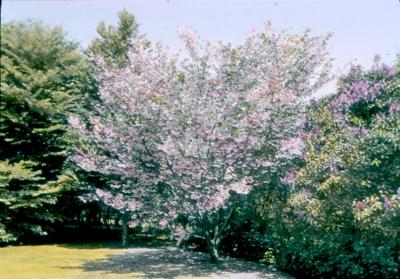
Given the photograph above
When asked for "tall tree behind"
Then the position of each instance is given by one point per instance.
(114, 42)
(42, 77)
(112, 46)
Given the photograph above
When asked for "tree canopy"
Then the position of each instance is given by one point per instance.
(217, 144)
(195, 123)
(115, 41)
(42, 78)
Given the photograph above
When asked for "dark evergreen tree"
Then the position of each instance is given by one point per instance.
(44, 77)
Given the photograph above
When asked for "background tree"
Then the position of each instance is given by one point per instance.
(42, 77)
(112, 48)
(114, 42)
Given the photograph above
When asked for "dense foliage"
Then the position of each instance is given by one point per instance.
(196, 123)
(342, 218)
(42, 77)
(219, 146)
(115, 41)
(112, 47)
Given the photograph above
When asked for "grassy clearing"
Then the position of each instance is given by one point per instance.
(84, 261)
(56, 261)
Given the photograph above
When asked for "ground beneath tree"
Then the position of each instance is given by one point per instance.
(170, 262)
(84, 261)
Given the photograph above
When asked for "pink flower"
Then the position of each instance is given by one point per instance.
(180, 232)
(191, 148)
(255, 95)
(300, 213)
(169, 147)
(292, 147)
(241, 187)
(315, 131)
(74, 121)
(387, 203)
(395, 107)
(306, 192)
(163, 223)
(289, 178)
(267, 163)
(360, 205)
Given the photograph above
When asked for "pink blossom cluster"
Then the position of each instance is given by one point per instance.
(193, 122)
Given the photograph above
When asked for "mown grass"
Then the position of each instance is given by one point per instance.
(105, 260)
(56, 261)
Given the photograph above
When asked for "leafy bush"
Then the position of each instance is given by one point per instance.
(341, 219)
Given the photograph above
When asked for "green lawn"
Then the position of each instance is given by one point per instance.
(55, 261)
(89, 261)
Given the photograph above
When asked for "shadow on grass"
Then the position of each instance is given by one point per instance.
(170, 262)
(91, 245)
(134, 242)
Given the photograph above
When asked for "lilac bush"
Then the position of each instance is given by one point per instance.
(344, 195)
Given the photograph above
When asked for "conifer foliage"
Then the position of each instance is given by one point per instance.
(42, 77)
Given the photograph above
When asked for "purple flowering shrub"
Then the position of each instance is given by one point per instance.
(342, 218)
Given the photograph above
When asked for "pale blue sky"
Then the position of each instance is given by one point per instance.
(361, 28)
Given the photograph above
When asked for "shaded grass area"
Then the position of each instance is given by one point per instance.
(107, 260)
(170, 262)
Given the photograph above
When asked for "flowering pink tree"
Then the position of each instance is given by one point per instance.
(229, 104)
(122, 134)
(199, 123)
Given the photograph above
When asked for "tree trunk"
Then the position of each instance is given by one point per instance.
(180, 243)
(212, 245)
(214, 237)
(125, 230)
